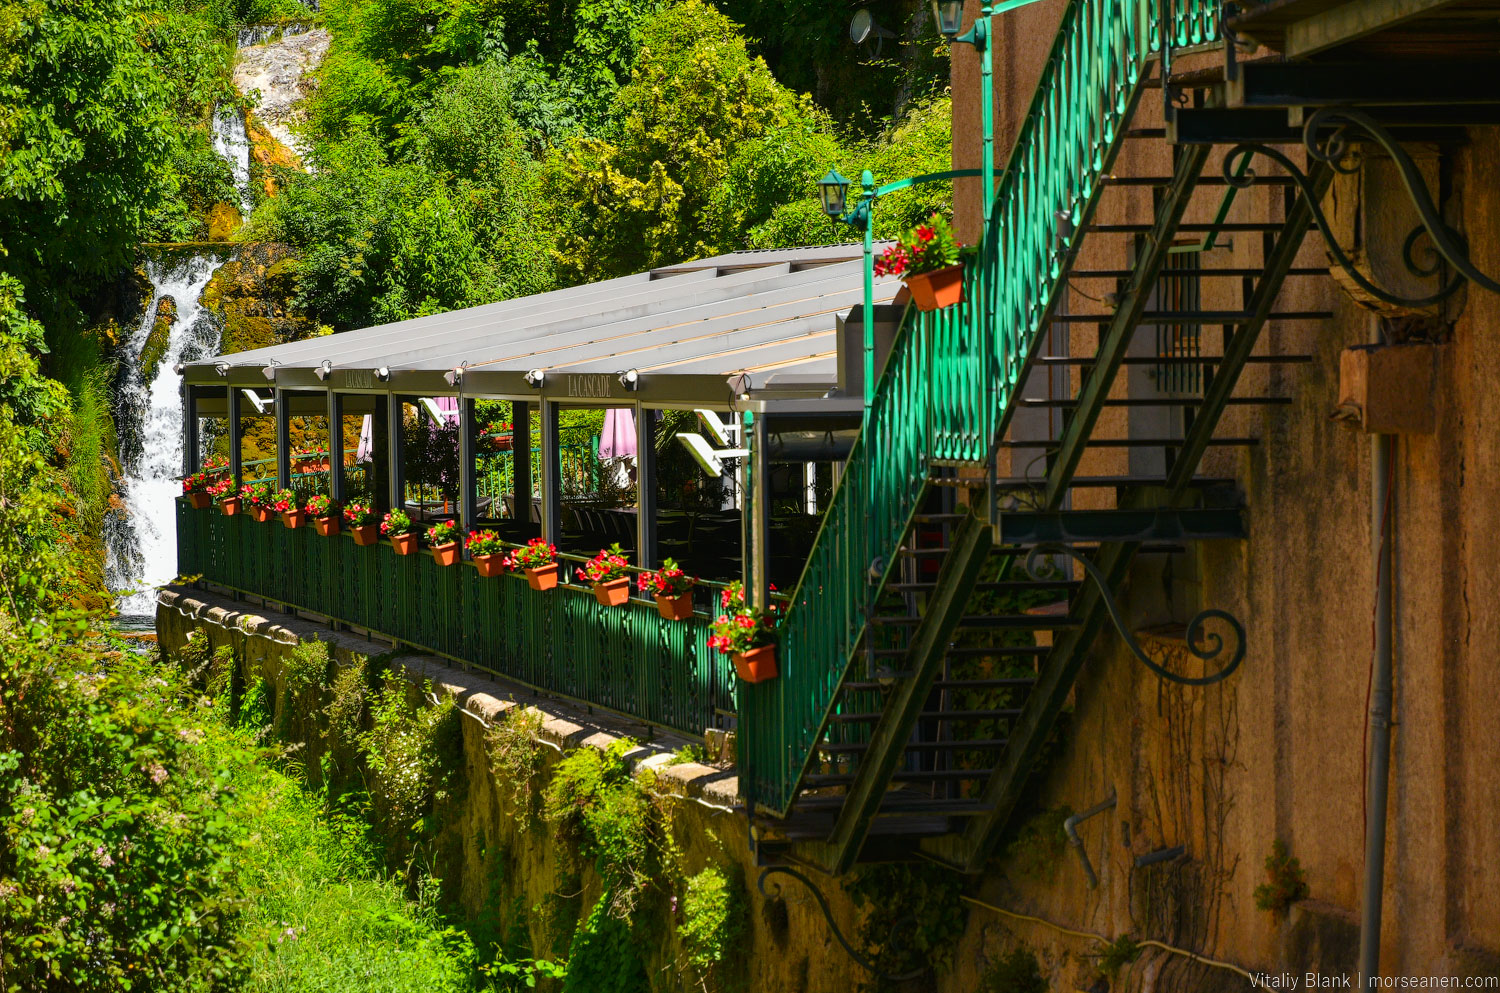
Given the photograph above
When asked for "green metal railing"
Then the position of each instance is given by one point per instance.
(945, 394)
(625, 659)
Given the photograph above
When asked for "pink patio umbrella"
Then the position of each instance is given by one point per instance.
(617, 440)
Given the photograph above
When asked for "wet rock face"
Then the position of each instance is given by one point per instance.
(279, 71)
(252, 293)
(161, 331)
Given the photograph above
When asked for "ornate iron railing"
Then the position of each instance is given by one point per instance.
(626, 659)
(946, 390)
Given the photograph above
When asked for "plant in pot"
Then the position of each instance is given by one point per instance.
(325, 514)
(500, 435)
(222, 490)
(257, 496)
(488, 552)
(400, 529)
(285, 503)
(442, 538)
(746, 634)
(361, 521)
(931, 261)
(672, 588)
(195, 488)
(539, 559)
(609, 573)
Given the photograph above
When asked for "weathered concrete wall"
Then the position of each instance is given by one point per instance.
(1279, 750)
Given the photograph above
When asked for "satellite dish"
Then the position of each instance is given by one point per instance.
(861, 26)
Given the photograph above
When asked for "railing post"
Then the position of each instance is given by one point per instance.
(645, 487)
(551, 475)
(986, 112)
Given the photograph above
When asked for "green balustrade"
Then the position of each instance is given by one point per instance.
(945, 394)
(625, 659)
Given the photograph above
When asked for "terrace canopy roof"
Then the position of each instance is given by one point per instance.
(762, 324)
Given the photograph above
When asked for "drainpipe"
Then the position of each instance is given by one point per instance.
(1070, 828)
(1382, 517)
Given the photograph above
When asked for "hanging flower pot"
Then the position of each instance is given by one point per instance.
(614, 593)
(230, 506)
(261, 514)
(937, 289)
(445, 554)
(675, 608)
(404, 544)
(294, 518)
(490, 565)
(542, 577)
(757, 665)
(199, 499)
(327, 525)
(366, 534)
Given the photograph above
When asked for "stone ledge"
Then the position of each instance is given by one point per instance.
(481, 696)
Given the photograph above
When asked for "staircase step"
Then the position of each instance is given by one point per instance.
(1165, 317)
(816, 780)
(1228, 227)
(1208, 179)
(934, 715)
(1171, 359)
(939, 518)
(888, 653)
(1097, 482)
(920, 746)
(997, 586)
(916, 807)
(946, 684)
(1184, 401)
(1019, 622)
(1205, 272)
(1137, 443)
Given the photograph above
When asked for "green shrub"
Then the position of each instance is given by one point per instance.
(1017, 972)
(516, 760)
(714, 922)
(1285, 883)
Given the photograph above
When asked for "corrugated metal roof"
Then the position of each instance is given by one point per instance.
(762, 318)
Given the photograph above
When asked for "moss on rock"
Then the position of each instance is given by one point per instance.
(252, 294)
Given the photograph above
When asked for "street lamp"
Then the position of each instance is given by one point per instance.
(950, 17)
(834, 191)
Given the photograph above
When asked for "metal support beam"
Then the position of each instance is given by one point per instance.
(924, 660)
(335, 448)
(1030, 732)
(283, 441)
(758, 593)
(395, 471)
(1364, 84)
(551, 475)
(1155, 524)
(645, 488)
(521, 482)
(1349, 22)
(1271, 125)
(189, 430)
(1116, 339)
(232, 411)
(468, 506)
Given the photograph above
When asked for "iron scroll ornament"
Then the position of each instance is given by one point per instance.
(1214, 643)
(838, 935)
(1342, 123)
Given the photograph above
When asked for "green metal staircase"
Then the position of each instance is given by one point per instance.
(916, 695)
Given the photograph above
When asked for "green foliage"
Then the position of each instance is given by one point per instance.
(1285, 883)
(413, 755)
(1016, 972)
(1039, 844)
(516, 760)
(1117, 955)
(605, 957)
(596, 805)
(715, 917)
(910, 915)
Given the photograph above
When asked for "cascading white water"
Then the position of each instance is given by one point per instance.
(142, 541)
(233, 145)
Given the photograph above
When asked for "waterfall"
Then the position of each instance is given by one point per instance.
(233, 145)
(258, 34)
(142, 541)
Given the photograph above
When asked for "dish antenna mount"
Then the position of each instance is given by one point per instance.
(863, 25)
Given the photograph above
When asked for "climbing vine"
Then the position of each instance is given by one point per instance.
(911, 916)
(516, 760)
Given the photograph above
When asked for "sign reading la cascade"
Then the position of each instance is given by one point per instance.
(590, 384)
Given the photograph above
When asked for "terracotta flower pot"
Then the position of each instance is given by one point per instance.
(504, 444)
(757, 665)
(294, 518)
(199, 499)
(937, 289)
(492, 564)
(675, 608)
(543, 577)
(404, 544)
(261, 514)
(366, 534)
(445, 554)
(230, 506)
(327, 525)
(613, 593)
